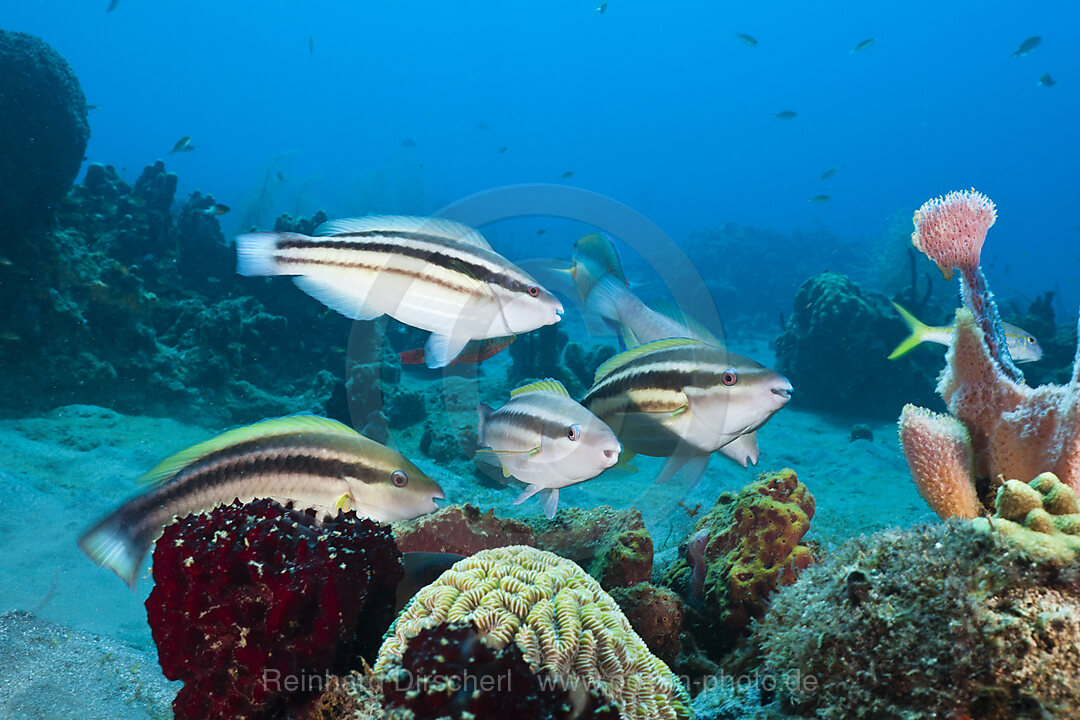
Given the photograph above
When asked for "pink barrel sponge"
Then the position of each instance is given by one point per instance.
(951, 230)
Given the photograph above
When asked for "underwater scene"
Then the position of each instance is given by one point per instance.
(553, 361)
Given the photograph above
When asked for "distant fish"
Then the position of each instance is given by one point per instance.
(310, 461)
(475, 351)
(786, 115)
(748, 39)
(829, 173)
(112, 5)
(1027, 46)
(568, 174)
(1046, 81)
(541, 231)
(311, 44)
(408, 142)
(820, 199)
(182, 145)
(863, 45)
(482, 126)
(93, 107)
(434, 274)
(6, 262)
(8, 336)
(546, 440)
(280, 176)
(1023, 347)
(602, 8)
(217, 209)
(503, 149)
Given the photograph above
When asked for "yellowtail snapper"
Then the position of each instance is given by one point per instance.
(310, 461)
(434, 274)
(546, 440)
(1023, 347)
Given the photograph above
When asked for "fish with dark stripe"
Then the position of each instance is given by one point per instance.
(309, 461)
(546, 440)
(683, 399)
(433, 274)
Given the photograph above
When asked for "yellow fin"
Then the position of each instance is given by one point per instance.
(918, 332)
(288, 425)
(625, 357)
(545, 385)
(344, 502)
(506, 473)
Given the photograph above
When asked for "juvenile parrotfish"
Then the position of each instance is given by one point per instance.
(1027, 46)
(1023, 347)
(1046, 81)
(310, 461)
(683, 399)
(786, 115)
(863, 44)
(182, 145)
(748, 39)
(546, 440)
(475, 351)
(434, 274)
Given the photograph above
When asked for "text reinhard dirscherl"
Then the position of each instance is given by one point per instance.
(402, 680)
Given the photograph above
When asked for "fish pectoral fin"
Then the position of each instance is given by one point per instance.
(620, 470)
(337, 296)
(743, 449)
(441, 350)
(549, 500)
(695, 463)
(527, 493)
(344, 502)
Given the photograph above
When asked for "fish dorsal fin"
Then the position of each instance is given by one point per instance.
(599, 247)
(674, 312)
(545, 385)
(623, 358)
(171, 465)
(439, 227)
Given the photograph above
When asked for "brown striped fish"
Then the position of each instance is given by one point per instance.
(433, 274)
(311, 462)
(546, 440)
(683, 399)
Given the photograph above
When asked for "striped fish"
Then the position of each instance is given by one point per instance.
(683, 399)
(546, 440)
(310, 461)
(434, 274)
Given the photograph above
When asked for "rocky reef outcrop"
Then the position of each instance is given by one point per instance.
(43, 130)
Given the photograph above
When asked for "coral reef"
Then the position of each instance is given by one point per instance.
(257, 591)
(1042, 516)
(44, 129)
(944, 621)
(611, 545)
(657, 615)
(835, 346)
(546, 353)
(745, 548)
(557, 616)
(1012, 430)
(452, 671)
(460, 529)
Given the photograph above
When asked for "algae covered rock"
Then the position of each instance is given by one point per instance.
(947, 621)
(43, 130)
(835, 349)
(742, 551)
(611, 545)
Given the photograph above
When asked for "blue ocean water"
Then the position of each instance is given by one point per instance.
(404, 107)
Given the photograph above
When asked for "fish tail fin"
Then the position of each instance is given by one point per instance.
(255, 254)
(113, 544)
(605, 298)
(918, 333)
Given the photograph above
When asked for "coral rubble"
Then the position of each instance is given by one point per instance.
(247, 596)
(745, 548)
(945, 621)
(44, 129)
(559, 619)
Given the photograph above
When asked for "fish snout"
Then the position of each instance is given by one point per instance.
(611, 455)
(781, 390)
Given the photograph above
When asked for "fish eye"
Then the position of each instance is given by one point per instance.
(399, 478)
(573, 432)
(729, 377)
(534, 290)
(1030, 339)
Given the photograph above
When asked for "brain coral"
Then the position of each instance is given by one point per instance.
(558, 616)
(43, 130)
(1042, 516)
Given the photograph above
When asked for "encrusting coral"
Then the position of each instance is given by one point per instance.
(1042, 516)
(558, 617)
(1015, 431)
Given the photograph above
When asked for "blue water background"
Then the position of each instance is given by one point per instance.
(403, 107)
